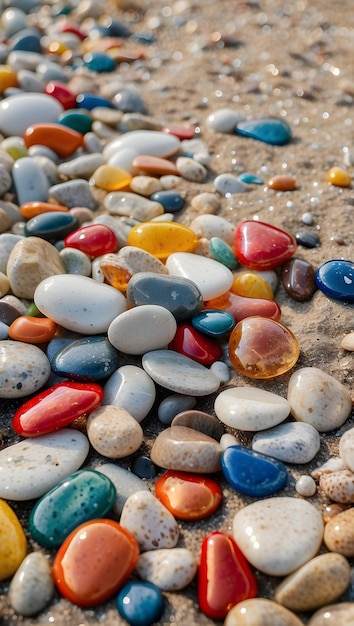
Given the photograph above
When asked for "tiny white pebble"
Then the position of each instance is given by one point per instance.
(307, 218)
(221, 370)
(228, 440)
(305, 486)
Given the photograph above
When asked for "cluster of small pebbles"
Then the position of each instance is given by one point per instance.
(175, 446)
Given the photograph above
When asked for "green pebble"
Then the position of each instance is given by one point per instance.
(81, 122)
(222, 252)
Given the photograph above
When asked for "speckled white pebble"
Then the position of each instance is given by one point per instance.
(278, 535)
(79, 303)
(348, 342)
(75, 261)
(228, 184)
(341, 614)
(132, 205)
(32, 586)
(24, 369)
(292, 442)
(318, 399)
(305, 486)
(130, 388)
(142, 328)
(250, 409)
(125, 482)
(32, 467)
(148, 520)
(339, 486)
(169, 570)
(209, 226)
(113, 432)
(191, 169)
(213, 278)
(261, 612)
(346, 448)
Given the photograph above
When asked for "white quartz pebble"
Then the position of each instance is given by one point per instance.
(212, 278)
(132, 205)
(130, 388)
(32, 586)
(223, 120)
(191, 169)
(113, 432)
(142, 328)
(125, 482)
(228, 184)
(305, 486)
(250, 409)
(21, 110)
(228, 440)
(151, 142)
(208, 226)
(348, 342)
(169, 570)
(292, 442)
(24, 369)
(221, 370)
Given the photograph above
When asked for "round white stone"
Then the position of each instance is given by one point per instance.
(151, 142)
(347, 342)
(79, 303)
(31, 468)
(228, 184)
(125, 482)
(212, 278)
(250, 409)
(142, 328)
(169, 570)
(20, 111)
(305, 486)
(292, 442)
(223, 120)
(191, 169)
(278, 535)
(24, 369)
(132, 389)
(208, 226)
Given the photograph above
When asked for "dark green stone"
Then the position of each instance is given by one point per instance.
(76, 120)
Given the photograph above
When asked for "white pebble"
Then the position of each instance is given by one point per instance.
(113, 432)
(221, 371)
(169, 570)
(305, 486)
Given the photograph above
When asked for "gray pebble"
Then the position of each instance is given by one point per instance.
(74, 193)
(228, 184)
(174, 404)
(32, 586)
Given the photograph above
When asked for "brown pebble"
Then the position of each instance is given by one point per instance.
(187, 450)
(203, 422)
(282, 182)
(332, 510)
(298, 277)
(339, 533)
(334, 615)
(261, 612)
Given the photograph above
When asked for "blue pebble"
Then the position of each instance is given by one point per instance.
(51, 226)
(90, 358)
(90, 101)
(335, 279)
(4, 331)
(99, 62)
(144, 37)
(58, 343)
(115, 28)
(213, 322)
(28, 40)
(143, 467)
(251, 179)
(252, 473)
(140, 603)
(170, 200)
(272, 130)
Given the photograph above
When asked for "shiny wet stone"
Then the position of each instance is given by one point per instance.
(140, 603)
(213, 322)
(51, 226)
(170, 200)
(193, 344)
(262, 246)
(252, 473)
(298, 278)
(335, 279)
(271, 130)
(307, 239)
(188, 496)
(13, 544)
(86, 359)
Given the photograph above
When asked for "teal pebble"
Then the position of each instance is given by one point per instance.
(140, 603)
(222, 252)
(82, 496)
(251, 179)
(99, 62)
(51, 226)
(271, 130)
(213, 322)
(81, 122)
(87, 359)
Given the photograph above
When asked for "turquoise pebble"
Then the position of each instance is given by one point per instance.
(222, 252)
(251, 179)
(80, 497)
(170, 200)
(99, 62)
(213, 322)
(27, 39)
(272, 130)
(76, 120)
(252, 473)
(51, 226)
(140, 603)
(335, 279)
(90, 101)
(86, 359)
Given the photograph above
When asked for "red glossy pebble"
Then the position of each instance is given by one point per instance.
(56, 407)
(188, 496)
(182, 132)
(68, 28)
(225, 577)
(94, 562)
(241, 306)
(195, 345)
(60, 92)
(261, 246)
(94, 240)
(32, 329)
(62, 139)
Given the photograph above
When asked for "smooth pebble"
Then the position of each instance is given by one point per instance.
(228, 184)
(174, 404)
(305, 486)
(346, 448)
(126, 483)
(211, 277)
(24, 369)
(333, 615)
(190, 169)
(13, 543)
(339, 533)
(185, 449)
(151, 142)
(339, 486)
(113, 432)
(132, 389)
(21, 110)
(292, 442)
(261, 612)
(32, 587)
(142, 328)
(250, 409)
(347, 342)
(168, 569)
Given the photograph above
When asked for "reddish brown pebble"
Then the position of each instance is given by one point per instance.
(155, 166)
(281, 182)
(332, 510)
(298, 277)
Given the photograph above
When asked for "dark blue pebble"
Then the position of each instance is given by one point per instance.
(251, 179)
(272, 130)
(335, 279)
(140, 603)
(87, 359)
(90, 101)
(51, 226)
(213, 322)
(307, 239)
(99, 62)
(252, 473)
(58, 343)
(170, 200)
(28, 40)
(143, 467)
(115, 28)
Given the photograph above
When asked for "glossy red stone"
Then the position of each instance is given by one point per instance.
(56, 407)
(94, 240)
(241, 306)
(195, 345)
(182, 132)
(188, 496)
(225, 577)
(60, 92)
(261, 246)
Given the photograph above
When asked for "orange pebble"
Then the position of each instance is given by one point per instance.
(32, 209)
(32, 329)
(154, 165)
(116, 273)
(282, 182)
(62, 139)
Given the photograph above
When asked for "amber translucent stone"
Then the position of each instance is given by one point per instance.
(116, 273)
(251, 286)
(34, 208)
(262, 348)
(163, 238)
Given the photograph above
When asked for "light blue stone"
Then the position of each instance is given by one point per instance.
(4, 331)
(213, 322)
(251, 473)
(140, 603)
(251, 179)
(335, 279)
(31, 184)
(222, 252)
(271, 130)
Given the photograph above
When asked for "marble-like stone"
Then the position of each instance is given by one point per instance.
(305, 486)
(292, 442)
(32, 586)
(24, 369)
(113, 432)
(132, 389)
(250, 409)
(209, 225)
(168, 569)
(252, 473)
(185, 449)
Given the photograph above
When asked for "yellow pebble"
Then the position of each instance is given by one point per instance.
(110, 178)
(13, 543)
(57, 47)
(339, 177)
(251, 286)
(162, 238)
(8, 78)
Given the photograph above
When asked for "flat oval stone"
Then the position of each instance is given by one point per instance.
(94, 562)
(272, 130)
(292, 442)
(125, 482)
(154, 166)
(225, 578)
(24, 171)
(79, 303)
(223, 120)
(307, 239)
(346, 448)
(13, 544)
(172, 201)
(258, 612)
(86, 359)
(168, 569)
(179, 373)
(252, 473)
(24, 369)
(212, 278)
(335, 279)
(61, 139)
(282, 182)
(250, 409)
(32, 467)
(339, 533)
(148, 142)
(339, 486)
(142, 328)
(318, 399)
(262, 246)
(240, 306)
(32, 586)
(188, 496)
(193, 344)
(52, 226)
(177, 294)
(298, 278)
(163, 238)
(80, 497)
(113, 432)
(30, 329)
(333, 614)
(339, 177)
(316, 583)
(187, 450)
(140, 603)
(229, 184)
(21, 110)
(148, 520)
(132, 389)
(285, 533)
(213, 323)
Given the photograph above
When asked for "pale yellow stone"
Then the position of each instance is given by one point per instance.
(261, 612)
(113, 432)
(145, 185)
(348, 342)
